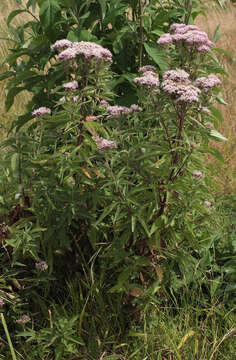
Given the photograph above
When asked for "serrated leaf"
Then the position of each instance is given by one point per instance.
(157, 54)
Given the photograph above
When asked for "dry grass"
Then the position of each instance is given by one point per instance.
(226, 18)
(6, 6)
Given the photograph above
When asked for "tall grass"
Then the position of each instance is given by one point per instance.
(6, 6)
(225, 18)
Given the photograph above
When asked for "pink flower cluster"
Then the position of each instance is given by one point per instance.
(104, 144)
(23, 320)
(61, 44)
(148, 80)
(135, 107)
(147, 68)
(42, 265)
(117, 111)
(86, 49)
(176, 82)
(197, 174)
(1, 302)
(207, 83)
(190, 34)
(41, 111)
(71, 85)
(207, 203)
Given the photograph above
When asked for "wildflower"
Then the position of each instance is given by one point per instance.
(210, 125)
(88, 50)
(205, 109)
(104, 103)
(203, 49)
(143, 150)
(191, 35)
(104, 144)
(23, 320)
(197, 174)
(75, 98)
(1, 302)
(41, 111)
(68, 54)
(146, 68)
(207, 203)
(176, 82)
(42, 265)
(165, 39)
(135, 107)
(61, 44)
(149, 79)
(62, 99)
(71, 85)
(176, 75)
(207, 83)
(117, 111)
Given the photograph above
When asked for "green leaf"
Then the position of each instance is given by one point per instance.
(106, 212)
(216, 113)
(157, 55)
(220, 99)
(13, 14)
(225, 52)
(216, 135)
(48, 13)
(103, 7)
(217, 34)
(11, 96)
(6, 74)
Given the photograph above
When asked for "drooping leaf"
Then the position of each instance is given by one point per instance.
(158, 55)
(215, 134)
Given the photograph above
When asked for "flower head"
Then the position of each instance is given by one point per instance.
(176, 75)
(165, 39)
(207, 83)
(146, 68)
(104, 144)
(207, 203)
(135, 107)
(176, 83)
(103, 103)
(71, 85)
(148, 80)
(23, 320)
(1, 302)
(197, 174)
(117, 111)
(42, 265)
(41, 111)
(61, 44)
(210, 125)
(191, 35)
(88, 50)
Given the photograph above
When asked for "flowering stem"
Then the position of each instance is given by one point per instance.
(8, 337)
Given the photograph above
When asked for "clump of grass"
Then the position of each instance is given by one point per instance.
(225, 18)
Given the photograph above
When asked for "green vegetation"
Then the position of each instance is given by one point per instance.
(116, 241)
